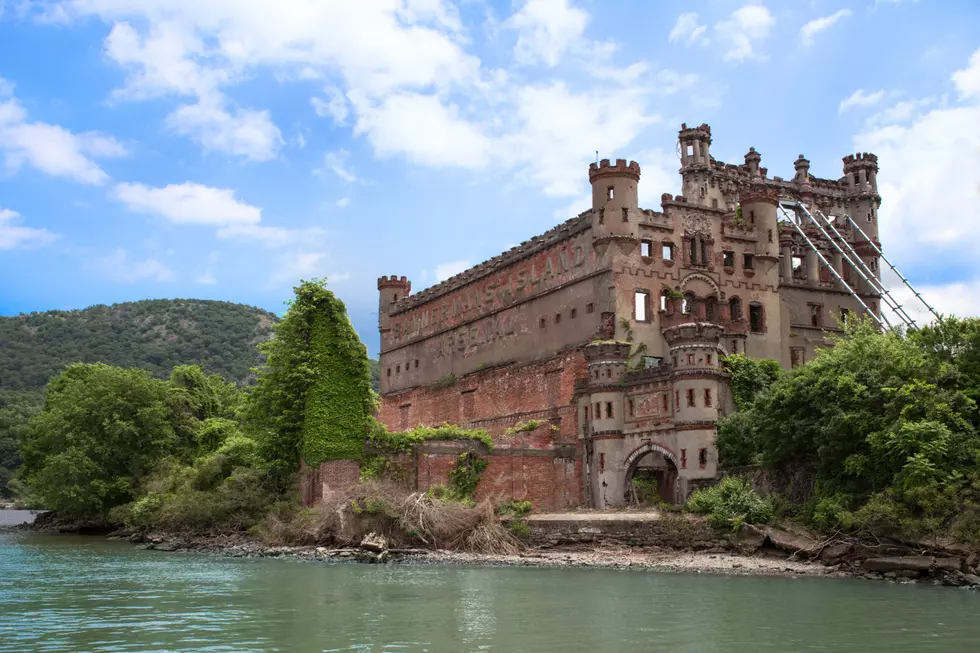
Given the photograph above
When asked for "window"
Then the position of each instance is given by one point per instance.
(711, 309)
(641, 305)
(688, 303)
(708, 359)
(586, 413)
(590, 308)
(557, 318)
(646, 248)
(683, 458)
(690, 397)
(757, 322)
(543, 323)
(608, 372)
(598, 411)
(389, 371)
(748, 261)
(677, 397)
(396, 298)
(735, 308)
(663, 301)
(693, 251)
(609, 410)
(729, 260)
(610, 193)
(665, 400)
(572, 313)
(631, 408)
(602, 462)
(398, 369)
(626, 214)
(770, 235)
(797, 356)
(734, 346)
(416, 363)
(702, 458)
(714, 202)
(602, 216)
(704, 253)
(816, 315)
(690, 359)
(797, 265)
(668, 251)
(707, 397)
(751, 217)
(845, 315)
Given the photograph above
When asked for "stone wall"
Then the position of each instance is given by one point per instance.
(796, 484)
(670, 531)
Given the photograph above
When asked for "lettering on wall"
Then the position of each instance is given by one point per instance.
(545, 271)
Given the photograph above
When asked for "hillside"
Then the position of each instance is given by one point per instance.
(154, 335)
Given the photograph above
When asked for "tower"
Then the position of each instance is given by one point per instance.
(863, 200)
(695, 152)
(390, 290)
(615, 206)
(607, 365)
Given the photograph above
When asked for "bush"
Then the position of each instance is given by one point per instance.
(732, 502)
(515, 508)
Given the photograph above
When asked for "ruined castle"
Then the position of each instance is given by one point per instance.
(593, 352)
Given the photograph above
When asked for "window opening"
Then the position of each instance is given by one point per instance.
(646, 248)
(734, 346)
(609, 410)
(735, 308)
(665, 400)
(557, 318)
(690, 359)
(683, 458)
(610, 193)
(845, 314)
(573, 313)
(641, 302)
(708, 359)
(602, 462)
(702, 458)
(590, 308)
(389, 371)
(416, 363)
(707, 397)
(663, 301)
(398, 369)
(626, 214)
(632, 407)
(770, 235)
(756, 324)
(690, 397)
(748, 261)
(543, 323)
(668, 251)
(797, 357)
(816, 315)
(729, 261)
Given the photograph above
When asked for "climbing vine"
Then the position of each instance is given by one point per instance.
(464, 478)
(636, 351)
(738, 220)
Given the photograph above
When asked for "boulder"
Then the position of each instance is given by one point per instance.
(834, 553)
(749, 538)
(374, 542)
(949, 564)
(792, 542)
(959, 579)
(910, 563)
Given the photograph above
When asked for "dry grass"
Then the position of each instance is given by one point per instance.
(414, 519)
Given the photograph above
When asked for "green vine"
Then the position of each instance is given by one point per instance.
(673, 294)
(464, 478)
(396, 442)
(524, 427)
(635, 359)
(738, 220)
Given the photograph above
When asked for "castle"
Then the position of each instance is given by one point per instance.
(593, 352)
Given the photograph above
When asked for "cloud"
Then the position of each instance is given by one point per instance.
(271, 236)
(817, 25)
(336, 162)
(335, 106)
(120, 266)
(189, 203)
(445, 270)
(967, 81)
(12, 235)
(746, 26)
(860, 98)
(688, 30)
(52, 149)
(926, 180)
(546, 30)
(291, 268)
(343, 202)
(206, 279)
(240, 132)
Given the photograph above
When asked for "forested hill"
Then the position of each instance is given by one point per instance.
(154, 335)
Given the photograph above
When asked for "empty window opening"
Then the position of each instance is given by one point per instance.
(665, 400)
(735, 308)
(707, 397)
(598, 411)
(608, 373)
(543, 323)
(756, 321)
(714, 202)
(557, 318)
(646, 248)
(734, 346)
(687, 305)
(816, 315)
(729, 259)
(586, 413)
(683, 458)
(797, 262)
(707, 359)
(590, 308)
(389, 371)
(751, 217)
(845, 315)
(770, 235)
(631, 407)
(609, 410)
(702, 458)
(572, 313)
(396, 298)
(797, 356)
(677, 398)
(610, 193)
(416, 363)
(398, 369)
(668, 251)
(690, 397)
(710, 309)
(690, 359)
(626, 214)
(602, 462)
(641, 305)
(663, 301)
(602, 216)
(704, 253)
(692, 250)
(748, 261)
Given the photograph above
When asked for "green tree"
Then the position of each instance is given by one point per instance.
(313, 396)
(102, 430)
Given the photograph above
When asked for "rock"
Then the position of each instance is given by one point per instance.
(791, 542)
(912, 563)
(164, 546)
(949, 564)
(959, 579)
(374, 543)
(833, 554)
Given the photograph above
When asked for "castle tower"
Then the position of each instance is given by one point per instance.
(863, 200)
(802, 167)
(607, 364)
(763, 309)
(759, 212)
(390, 289)
(752, 163)
(695, 151)
(615, 206)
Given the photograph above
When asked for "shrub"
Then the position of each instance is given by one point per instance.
(515, 508)
(732, 503)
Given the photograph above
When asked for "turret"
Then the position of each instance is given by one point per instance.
(752, 162)
(759, 212)
(614, 199)
(391, 289)
(607, 364)
(695, 151)
(802, 167)
(863, 200)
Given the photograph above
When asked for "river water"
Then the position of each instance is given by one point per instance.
(68, 593)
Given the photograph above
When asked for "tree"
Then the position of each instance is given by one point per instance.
(101, 431)
(313, 396)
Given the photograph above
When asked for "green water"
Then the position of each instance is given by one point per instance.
(60, 593)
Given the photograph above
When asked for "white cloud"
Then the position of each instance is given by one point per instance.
(12, 235)
(271, 236)
(967, 81)
(295, 266)
(335, 106)
(120, 266)
(445, 270)
(343, 202)
(688, 29)
(817, 25)
(189, 203)
(336, 162)
(860, 98)
(52, 149)
(926, 181)
(742, 31)
(546, 29)
(239, 132)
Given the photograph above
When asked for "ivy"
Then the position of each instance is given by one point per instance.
(464, 478)
(739, 219)
(396, 442)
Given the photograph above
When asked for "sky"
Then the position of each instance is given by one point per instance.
(227, 149)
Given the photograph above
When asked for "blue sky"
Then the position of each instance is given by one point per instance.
(225, 149)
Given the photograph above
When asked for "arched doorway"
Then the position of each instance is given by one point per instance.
(651, 475)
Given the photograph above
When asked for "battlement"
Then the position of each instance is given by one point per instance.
(701, 132)
(861, 159)
(758, 193)
(621, 169)
(394, 281)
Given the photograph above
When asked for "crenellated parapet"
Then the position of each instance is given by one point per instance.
(621, 169)
(394, 281)
(759, 194)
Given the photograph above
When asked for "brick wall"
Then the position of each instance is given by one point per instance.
(318, 483)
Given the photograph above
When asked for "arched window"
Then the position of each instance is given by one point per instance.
(735, 308)
(664, 297)
(711, 309)
(688, 304)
